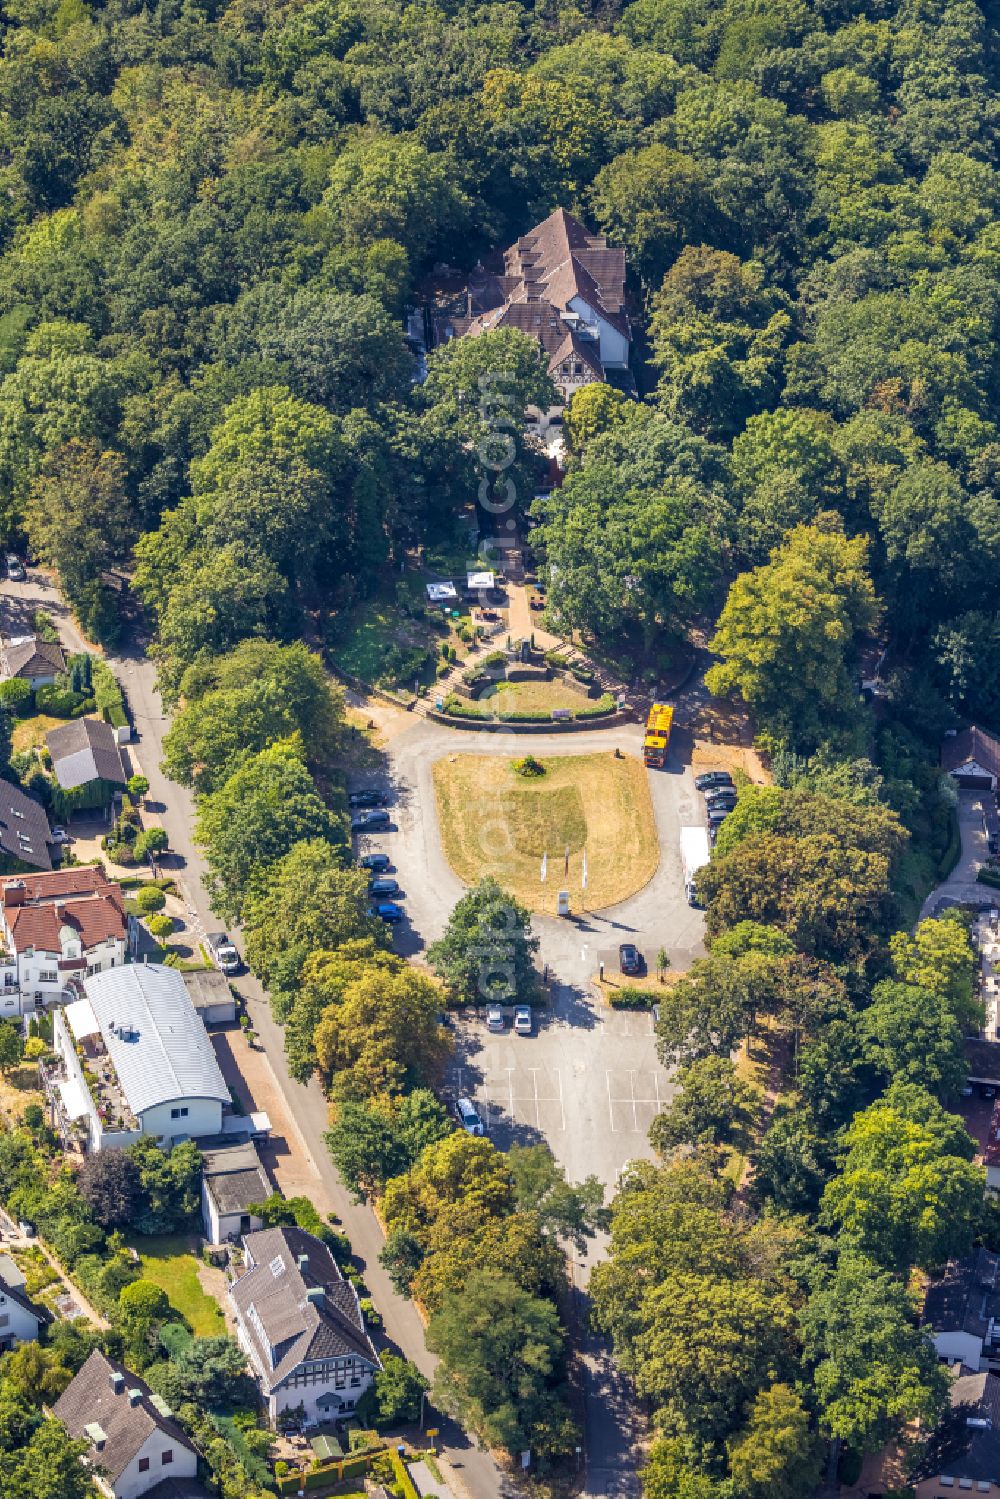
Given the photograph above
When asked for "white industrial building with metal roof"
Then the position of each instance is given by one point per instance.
(135, 1059)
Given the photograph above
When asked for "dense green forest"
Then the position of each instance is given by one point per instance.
(213, 217)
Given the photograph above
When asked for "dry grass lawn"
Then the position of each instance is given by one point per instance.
(535, 696)
(498, 823)
(29, 733)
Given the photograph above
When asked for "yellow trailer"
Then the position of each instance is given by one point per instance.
(657, 739)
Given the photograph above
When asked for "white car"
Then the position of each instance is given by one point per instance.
(468, 1118)
(523, 1020)
(60, 835)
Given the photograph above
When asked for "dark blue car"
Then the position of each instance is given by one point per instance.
(384, 887)
(367, 822)
(387, 910)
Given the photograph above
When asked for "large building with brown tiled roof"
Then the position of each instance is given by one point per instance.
(55, 928)
(560, 284)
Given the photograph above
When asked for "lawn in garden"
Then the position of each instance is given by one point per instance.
(494, 821)
(168, 1261)
(29, 733)
(534, 696)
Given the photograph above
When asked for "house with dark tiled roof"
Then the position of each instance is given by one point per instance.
(21, 1319)
(37, 662)
(300, 1323)
(25, 835)
(972, 758)
(962, 1311)
(135, 1446)
(58, 927)
(562, 285)
(963, 1454)
(86, 760)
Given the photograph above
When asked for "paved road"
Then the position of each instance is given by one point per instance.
(961, 887)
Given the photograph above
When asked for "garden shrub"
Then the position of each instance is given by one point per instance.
(108, 695)
(17, 697)
(149, 899)
(605, 704)
(630, 998)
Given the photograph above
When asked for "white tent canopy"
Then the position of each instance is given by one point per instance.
(475, 581)
(441, 593)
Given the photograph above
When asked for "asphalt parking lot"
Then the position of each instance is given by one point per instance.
(588, 1082)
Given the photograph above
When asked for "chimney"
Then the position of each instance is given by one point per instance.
(316, 1295)
(117, 1381)
(15, 893)
(134, 1396)
(302, 1260)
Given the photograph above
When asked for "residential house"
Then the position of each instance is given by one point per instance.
(300, 1323)
(37, 662)
(962, 1311)
(57, 927)
(25, 836)
(133, 1058)
(21, 1319)
(964, 1453)
(86, 761)
(135, 1445)
(972, 759)
(562, 285)
(233, 1180)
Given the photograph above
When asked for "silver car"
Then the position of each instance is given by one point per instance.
(468, 1118)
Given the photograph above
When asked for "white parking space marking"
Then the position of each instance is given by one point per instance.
(634, 1099)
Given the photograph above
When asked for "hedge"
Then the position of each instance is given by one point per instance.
(630, 998)
(459, 709)
(406, 1485)
(605, 704)
(524, 716)
(330, 1474)
(953, 848)
(989, 877)
(108, 696)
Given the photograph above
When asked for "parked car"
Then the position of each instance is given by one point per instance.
(367, 822)
(468, 1118)
(384, 887)
(366, 798)
(224, 953)
(495, 1019)
(720, 796)
(375, 861)
(60, 835)
(15, 569)
(387, 910)
(713, 778)
(718, 814)
(523, 1020)
(629, 958)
